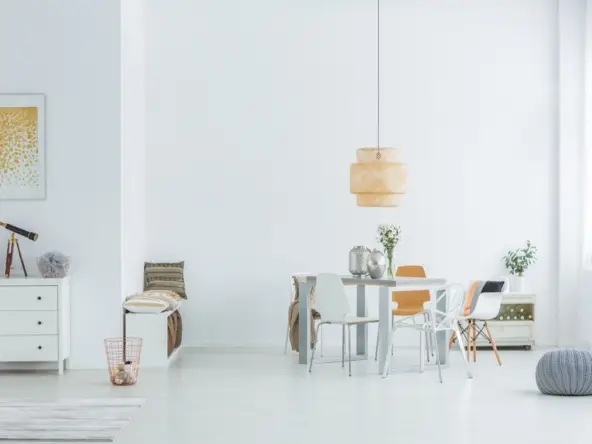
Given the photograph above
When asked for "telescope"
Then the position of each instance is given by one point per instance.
(12, 241)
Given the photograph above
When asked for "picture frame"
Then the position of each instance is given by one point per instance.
(22, 146)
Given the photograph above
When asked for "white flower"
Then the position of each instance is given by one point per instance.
(389, 236)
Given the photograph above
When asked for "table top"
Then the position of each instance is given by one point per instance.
(349, 279)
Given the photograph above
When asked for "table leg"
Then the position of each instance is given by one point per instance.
(442, 336)
(362, 329)
(384, 327)
(304, 322)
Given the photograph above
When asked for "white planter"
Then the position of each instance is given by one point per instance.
(517, 284)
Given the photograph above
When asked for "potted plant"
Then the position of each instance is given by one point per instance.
(517, 262)
(389, 236)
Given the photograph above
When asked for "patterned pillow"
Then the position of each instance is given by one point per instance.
(476, 289)
(141, 304)
(170, 298)
(164, 294)
(165, 276)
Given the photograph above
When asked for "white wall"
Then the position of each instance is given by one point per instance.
(254, 115)
(70, 51)
(132, 146)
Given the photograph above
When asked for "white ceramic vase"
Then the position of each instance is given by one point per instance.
(516, 284)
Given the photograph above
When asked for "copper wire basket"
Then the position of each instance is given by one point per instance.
(123, 359)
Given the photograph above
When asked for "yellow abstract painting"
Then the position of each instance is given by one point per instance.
(21, 148)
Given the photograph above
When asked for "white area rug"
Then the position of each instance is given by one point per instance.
(65, 420)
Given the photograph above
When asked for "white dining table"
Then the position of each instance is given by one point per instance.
(385, 288)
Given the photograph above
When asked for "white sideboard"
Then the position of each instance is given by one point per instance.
(514, 326)
(35, 321)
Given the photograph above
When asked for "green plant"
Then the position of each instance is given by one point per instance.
(517, 262)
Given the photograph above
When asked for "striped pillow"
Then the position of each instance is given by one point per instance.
(476, 289)
(165, 276)
(169, 297)
(141, 304)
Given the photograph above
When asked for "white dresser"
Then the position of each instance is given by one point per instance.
(35, 321)
(514, 325)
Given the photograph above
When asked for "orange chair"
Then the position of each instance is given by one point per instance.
(410, 303)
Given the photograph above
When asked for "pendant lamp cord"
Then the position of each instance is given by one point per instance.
(378, 155)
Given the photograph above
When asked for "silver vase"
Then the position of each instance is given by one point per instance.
(358, 260)
(376, 264)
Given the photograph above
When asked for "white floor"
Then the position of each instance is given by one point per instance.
(254, 396)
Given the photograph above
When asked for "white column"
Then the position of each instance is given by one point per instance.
(586, 278)
(571, 56)
(132, 145)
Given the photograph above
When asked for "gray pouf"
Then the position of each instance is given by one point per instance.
(565, 372)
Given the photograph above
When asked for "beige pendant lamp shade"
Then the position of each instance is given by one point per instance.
(378, 180)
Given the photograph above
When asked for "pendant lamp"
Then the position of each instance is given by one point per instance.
(378, 178)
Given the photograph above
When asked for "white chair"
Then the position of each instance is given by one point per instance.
(293, 292)
(332, 304)
(438, 321)
(487, 308)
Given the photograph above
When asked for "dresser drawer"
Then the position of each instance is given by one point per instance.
(28, 323)
(28, 298)
(507, 330)
(28, 348)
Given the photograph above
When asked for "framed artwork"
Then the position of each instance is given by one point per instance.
(22, 146)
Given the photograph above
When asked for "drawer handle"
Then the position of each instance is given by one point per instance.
(39, 347)
(38, 298)
(39, 322)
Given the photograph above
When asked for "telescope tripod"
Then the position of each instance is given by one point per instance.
(12, 241)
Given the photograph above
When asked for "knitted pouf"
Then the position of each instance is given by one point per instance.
(565, 372)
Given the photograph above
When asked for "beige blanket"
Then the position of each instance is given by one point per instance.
(294, 319)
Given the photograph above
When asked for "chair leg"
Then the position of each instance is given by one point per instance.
(349, 346)
(428, 339)
(461, 347)
(422, 339)
(433, 332)
(320, 339)
(451, 341)
(474, 341)
(343, 346)
(314, 348)
(469, 342)
(377, 343)
(497, 356)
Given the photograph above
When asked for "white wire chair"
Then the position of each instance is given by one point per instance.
(438, 321)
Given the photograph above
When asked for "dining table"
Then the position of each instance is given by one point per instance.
(386, 285)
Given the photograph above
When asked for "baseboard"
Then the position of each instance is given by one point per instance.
(46, 367)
